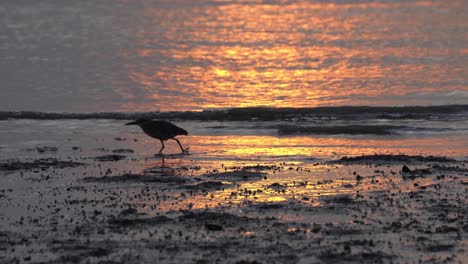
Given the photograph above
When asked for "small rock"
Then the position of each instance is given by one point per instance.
(129, 211)
(110, 158)
(213, 227)
(405, 169)
(46, 149)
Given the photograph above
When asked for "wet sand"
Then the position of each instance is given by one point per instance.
(363, 209)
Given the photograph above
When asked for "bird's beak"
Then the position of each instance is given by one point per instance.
(131, 123)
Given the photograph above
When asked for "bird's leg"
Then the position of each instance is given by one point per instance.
(162, 147)
(185, 151)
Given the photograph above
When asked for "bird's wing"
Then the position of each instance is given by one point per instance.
(167, 126)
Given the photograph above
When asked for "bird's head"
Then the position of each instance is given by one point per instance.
(138, 122)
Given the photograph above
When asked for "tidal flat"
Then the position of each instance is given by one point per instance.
(71, 194)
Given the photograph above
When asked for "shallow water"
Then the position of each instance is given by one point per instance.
(253, 141)
(218, 146)
(189, 55)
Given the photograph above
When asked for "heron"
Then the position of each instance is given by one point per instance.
(161, 130)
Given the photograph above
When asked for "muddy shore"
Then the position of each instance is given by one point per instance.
(364, 209)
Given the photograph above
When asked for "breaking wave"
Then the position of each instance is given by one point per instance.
(267, 114)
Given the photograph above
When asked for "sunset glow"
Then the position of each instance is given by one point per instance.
(233, 131)
(250, 56)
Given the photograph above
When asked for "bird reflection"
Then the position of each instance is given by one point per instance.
(167, 164)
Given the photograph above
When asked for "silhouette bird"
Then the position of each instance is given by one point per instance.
(161, 130)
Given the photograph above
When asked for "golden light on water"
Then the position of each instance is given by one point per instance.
(296, 55)
(227, 149)
(292, 167)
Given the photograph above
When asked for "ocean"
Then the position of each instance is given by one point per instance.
(161, 55)
(248, 135)
(295, 79)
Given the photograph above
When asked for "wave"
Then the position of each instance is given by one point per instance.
(263, 114)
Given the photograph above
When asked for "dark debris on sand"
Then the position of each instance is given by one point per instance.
(45, 149)
(124, 219)
(411, 174)
(234, 176)
(207, 186)
(362, 257)
(113, 157)
(38, 164)
(220, 219)
(138, 178)
(340, 199)
(134, 222)
(277, 187)
(381, 158)
(123, 151)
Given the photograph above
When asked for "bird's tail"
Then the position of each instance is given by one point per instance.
(180, 131)
(183, 131)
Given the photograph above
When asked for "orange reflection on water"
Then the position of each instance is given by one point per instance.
(265, 147)
(295, 172)
(300, 54)
(243, 75)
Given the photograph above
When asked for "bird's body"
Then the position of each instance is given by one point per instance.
(161, 130)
